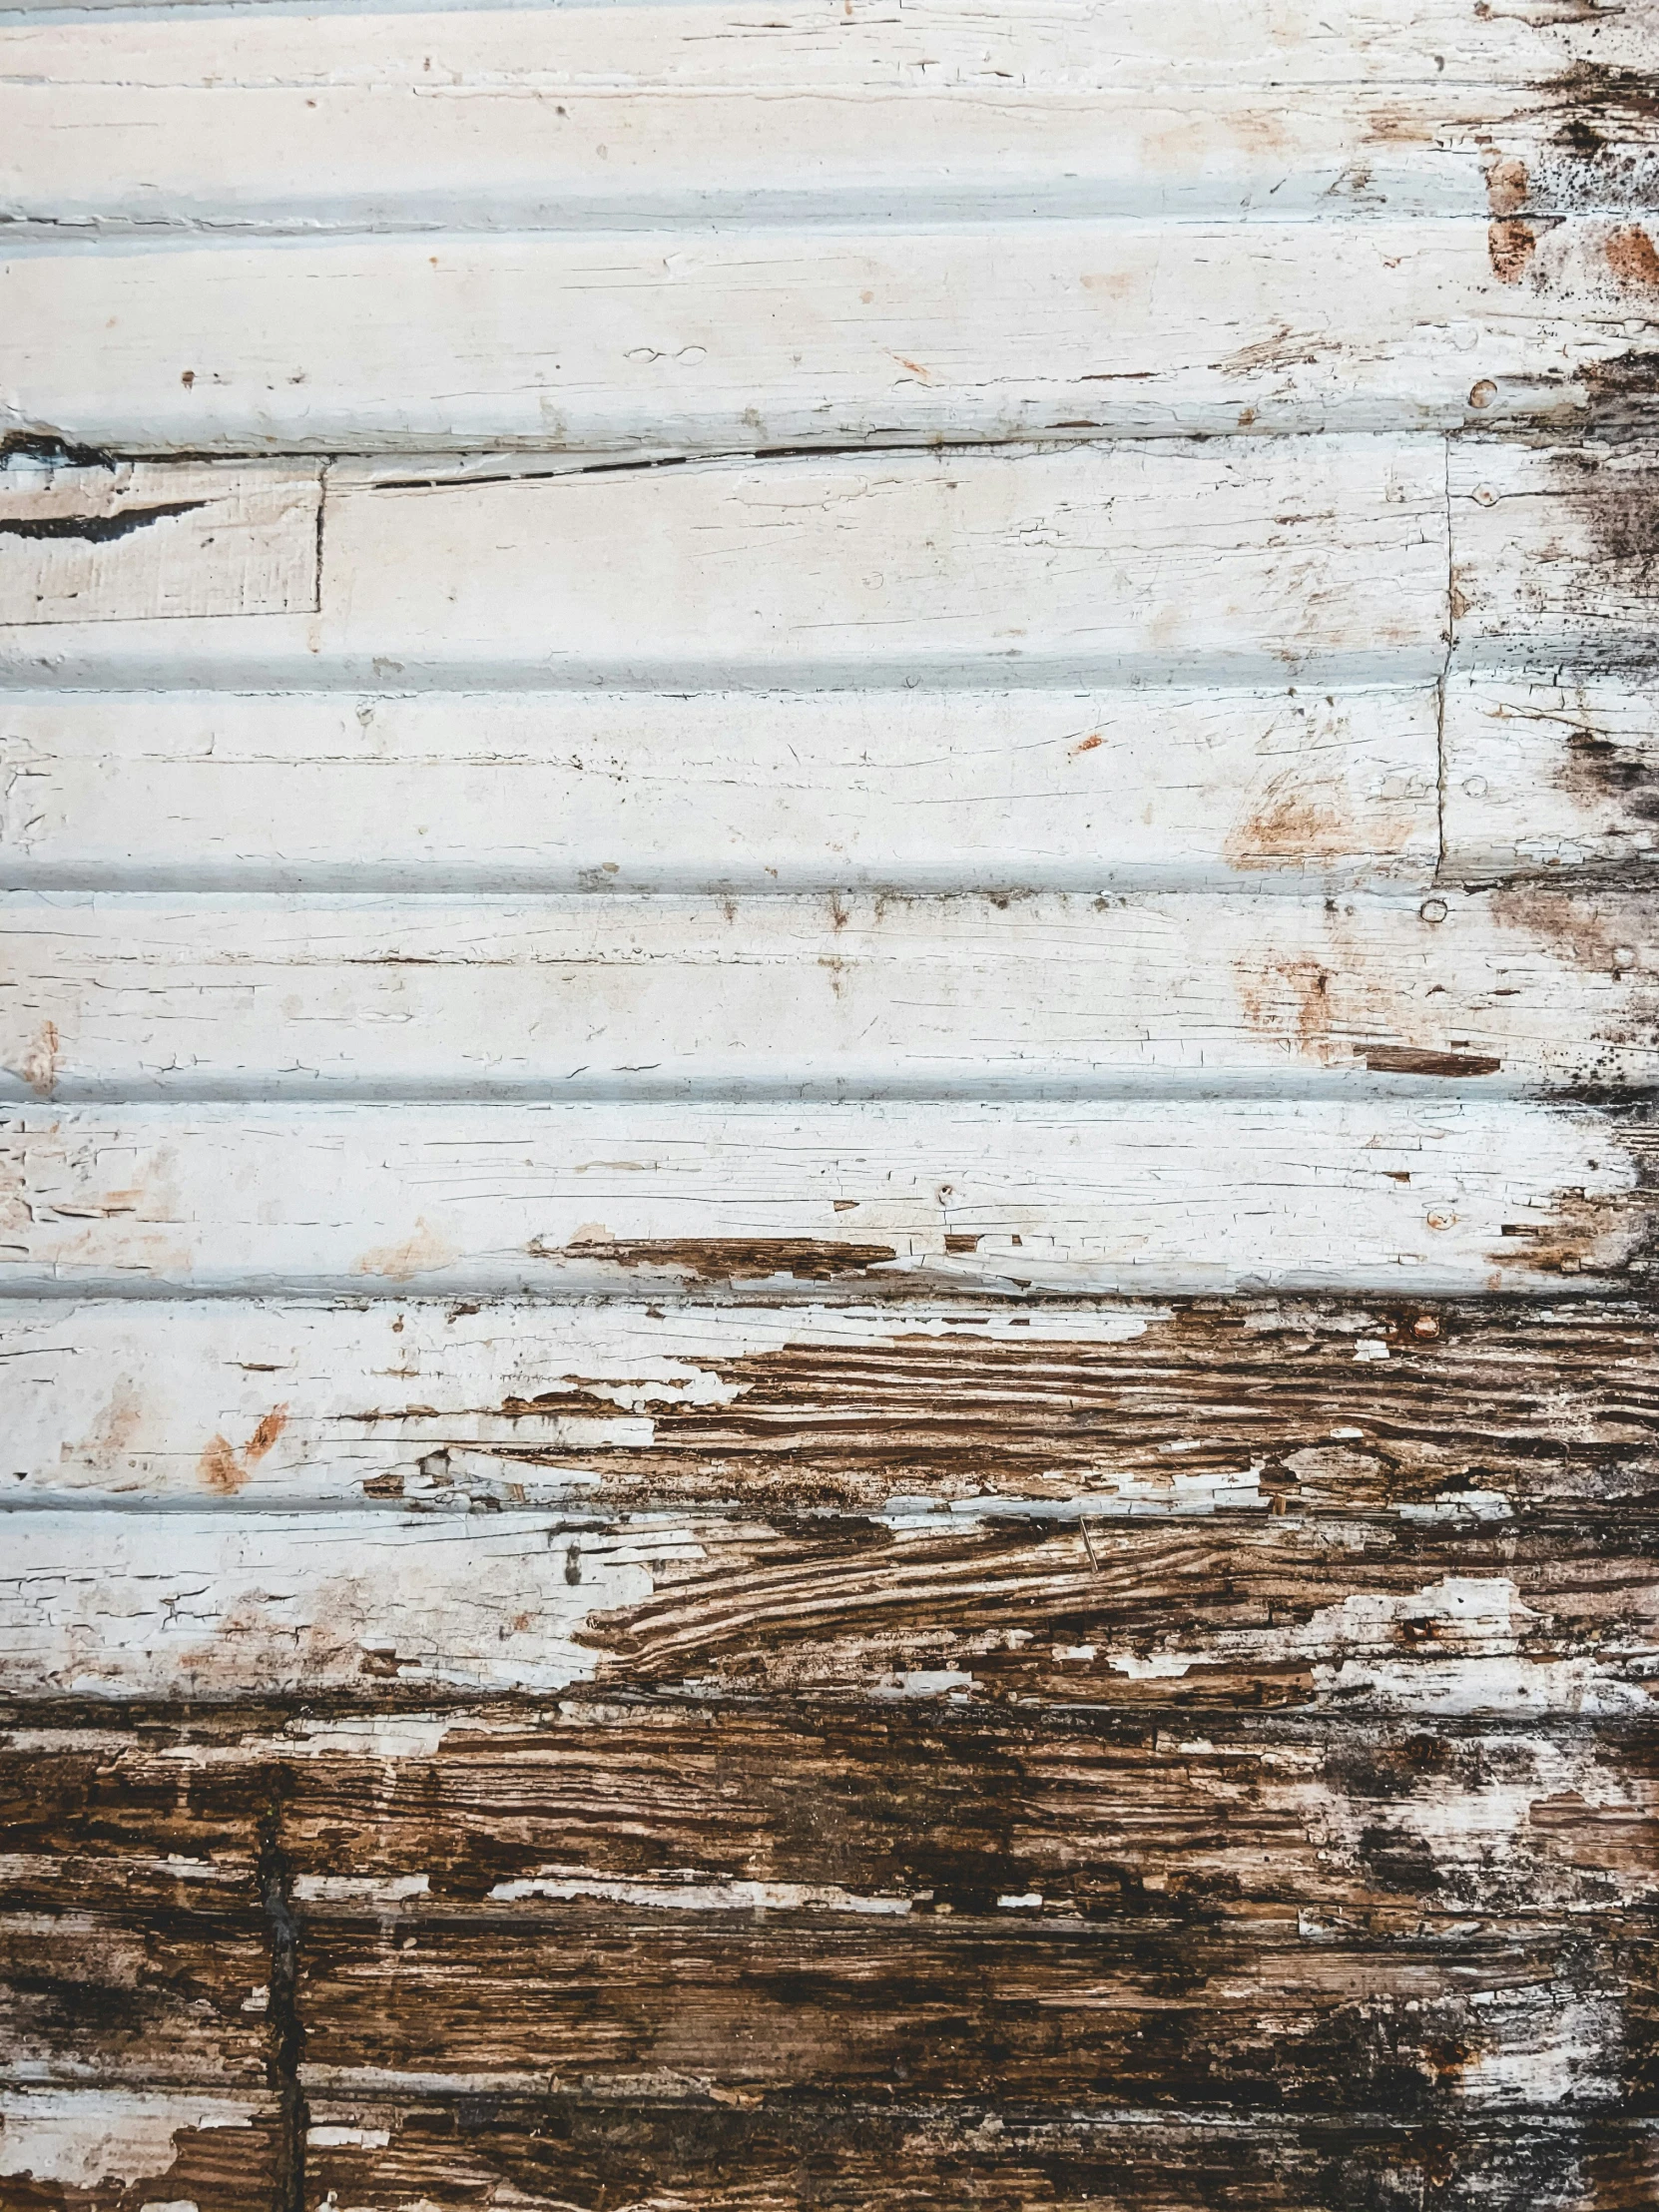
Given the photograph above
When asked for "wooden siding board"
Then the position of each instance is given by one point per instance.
(729, 341)
(264, 997)
(935, 790)
(623, 1403)
(1158, 1196)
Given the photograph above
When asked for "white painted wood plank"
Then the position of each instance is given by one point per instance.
(1208, 1195)
(486, 141)
(1084, 790)
(834, 46)
(134, 997)
(136, 542)
(525, 117)
(1546, 777)
(1312, 561)
(737, 339)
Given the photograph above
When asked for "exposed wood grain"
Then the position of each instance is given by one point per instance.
(1313, 560)
(114, 2150)
(830, 791)
(1459, 1610)
(1161, 1197)
(888, 1810)
(268, 996)
(1116, 1409)
(1392, 1922)
(889, 2153)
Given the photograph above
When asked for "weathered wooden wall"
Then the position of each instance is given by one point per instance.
(828, 1182)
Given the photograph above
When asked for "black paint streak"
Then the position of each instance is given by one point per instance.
(285, 2030)
(97, 529)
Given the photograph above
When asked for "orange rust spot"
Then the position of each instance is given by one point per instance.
(1632, 259)
(1484, 393)
(1088, 744)
(266, 1433)
(1506, 187)
(1510, 246)
(219, 1465)
(220, 1470)
(1288, 823)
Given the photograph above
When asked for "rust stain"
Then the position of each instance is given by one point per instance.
(1510, 246)
(1506, 186)
(221, 1468)
(1632, 259)
(1289, 999)
(419, 1254)
(1088, 744)
(1287, 824)
(270, 1429)
(39, 1065)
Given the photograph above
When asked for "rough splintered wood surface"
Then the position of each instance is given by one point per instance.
(827, 1062)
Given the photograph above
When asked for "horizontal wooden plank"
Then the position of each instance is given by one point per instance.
(561, 792)
(393, 124)
(1470, 1613)
(83, 2150)
(117, 996)
(736, 339)
(1320, 559)
(759, 43)
(1434, 1410)
(890, 2152)
(1239, 2022)
(1176, 1195)
(887, 1812)
(132, 543)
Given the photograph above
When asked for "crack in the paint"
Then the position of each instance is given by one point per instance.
(284, 2031)
(97, 529)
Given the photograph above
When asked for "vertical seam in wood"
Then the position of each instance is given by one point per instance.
(322, 502)
(1445, 679)
(284, 2031)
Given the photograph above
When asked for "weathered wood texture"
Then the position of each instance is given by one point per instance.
(1435, 1411)
(616, 1594)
